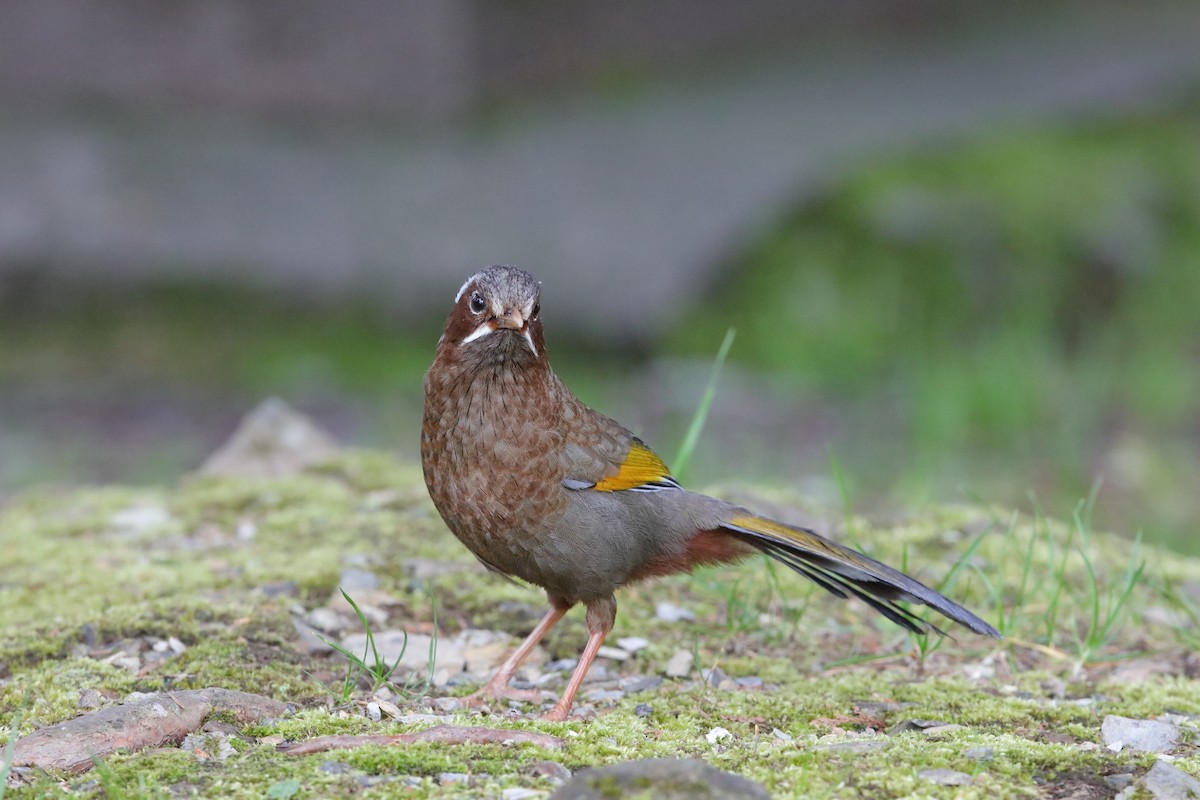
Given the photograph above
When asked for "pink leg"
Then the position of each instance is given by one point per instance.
(498, 687)
(600, 618)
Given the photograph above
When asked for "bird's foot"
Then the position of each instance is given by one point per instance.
(556, 714)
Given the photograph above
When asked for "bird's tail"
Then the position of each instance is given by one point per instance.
(846, 572)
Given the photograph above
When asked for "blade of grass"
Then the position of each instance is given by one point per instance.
(11, 745)
(380, 671)
(684, 455)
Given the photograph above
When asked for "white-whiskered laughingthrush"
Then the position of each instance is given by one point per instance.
(540, 487)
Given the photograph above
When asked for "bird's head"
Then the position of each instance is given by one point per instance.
(496, 316)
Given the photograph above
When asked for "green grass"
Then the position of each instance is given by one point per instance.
(1012, 312)
(819, 657)
(696, 426)
(377, 669)
(6, 758)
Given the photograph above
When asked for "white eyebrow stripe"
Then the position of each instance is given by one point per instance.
(463, 288)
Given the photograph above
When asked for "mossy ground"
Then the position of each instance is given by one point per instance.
(99, 565)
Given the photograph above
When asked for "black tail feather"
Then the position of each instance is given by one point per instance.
(845, 572)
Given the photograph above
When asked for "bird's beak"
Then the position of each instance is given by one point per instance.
(512, 320)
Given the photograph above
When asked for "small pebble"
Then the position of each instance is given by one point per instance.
(447, 704)
(605, 695)
(643, 710)
(780, 735)
(552, 771)
(520, 793)
(749, 682)
(447, 778)
(714, 676)
(410, 719)
(373, 712)
(640, 683)
(615, 653)
(597, 673)
(980, 753)
(680, 664)
(631, 644)
(90, 698)
(915, 725)
(1119, 781)
(854, 746)
(326, 619)
(561, 665)
(945, 777)
(1139, 735)
(717, 735)
(941, 730)
(335, 768)
(669, 612)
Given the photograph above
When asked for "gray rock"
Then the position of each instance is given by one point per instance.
(415, 649)
(614, 653)
(854, 746)
(447, 704)
(669, 612)
(1119, 781)
(680, 664)
(945, 777)
(520, 793)
(979, 753)
(640, 683)
(335, 768)
(353, 578)
(749, 682)
(1163, 782)
(916, 725)
(273, 440)
(631, 644)
(605, 695)
(643, 710)
(483, 650)
(552, 771)
(662, 779)
(1140, 735)
(310, 641)
(326, 620)
(90, 698)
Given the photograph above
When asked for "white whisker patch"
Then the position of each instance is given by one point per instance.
(529, 340)
(480, 332)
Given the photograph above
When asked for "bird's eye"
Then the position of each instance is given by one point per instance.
(537, 309)
(478, 304)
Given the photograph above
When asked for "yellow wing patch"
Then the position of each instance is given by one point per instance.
(642, 468)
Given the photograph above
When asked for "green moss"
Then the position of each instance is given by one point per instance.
(829, 667)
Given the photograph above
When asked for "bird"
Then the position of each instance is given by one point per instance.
(540, 487)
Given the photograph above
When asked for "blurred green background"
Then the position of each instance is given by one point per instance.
(1005, 312)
